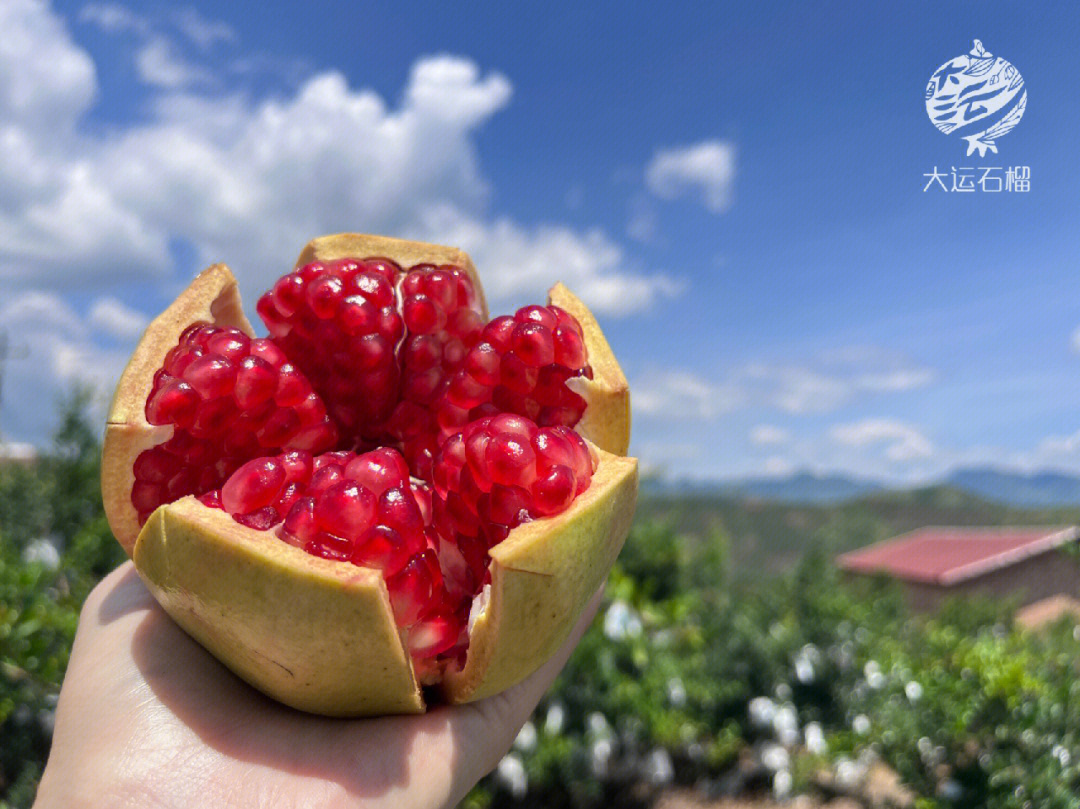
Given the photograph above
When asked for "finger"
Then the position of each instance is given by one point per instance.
(484, 730)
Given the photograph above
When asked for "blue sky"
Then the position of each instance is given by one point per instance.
(737, 189)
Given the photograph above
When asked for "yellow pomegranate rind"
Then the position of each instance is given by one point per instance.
(212, 297)
(312, 633)
(319, 635)
(606, 421)
(542, 576)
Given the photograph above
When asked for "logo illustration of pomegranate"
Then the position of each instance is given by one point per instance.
(978, 96)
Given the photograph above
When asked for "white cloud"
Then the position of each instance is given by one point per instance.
(519, 263)
(823, 386)
(903, 442)
(245, 178)
(45, 80)
(679, 394)
(114, 18)
(202, 31)
(60, 352)
(705, 169)
(642, 225)
(117, 320)
(248, 182)
(769, 434)
(158, 63)
(1075, 340)
(778, 466)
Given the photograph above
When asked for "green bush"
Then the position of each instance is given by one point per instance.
(692, 674)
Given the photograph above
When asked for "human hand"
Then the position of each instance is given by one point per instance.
(147, 718)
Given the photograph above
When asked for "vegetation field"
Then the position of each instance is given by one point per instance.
(728, 659)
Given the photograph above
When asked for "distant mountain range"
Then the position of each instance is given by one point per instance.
(1039, 489)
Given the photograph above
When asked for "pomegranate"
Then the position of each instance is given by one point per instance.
(387, 492)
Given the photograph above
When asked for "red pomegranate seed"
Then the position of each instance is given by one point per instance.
(433, 636)
(345, 510)
(254, 485)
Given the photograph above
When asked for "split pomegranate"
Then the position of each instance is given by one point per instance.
(400, 358)
(384, 425)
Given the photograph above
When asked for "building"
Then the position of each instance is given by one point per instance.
(1024, 563)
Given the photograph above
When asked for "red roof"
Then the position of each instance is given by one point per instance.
(949, 555)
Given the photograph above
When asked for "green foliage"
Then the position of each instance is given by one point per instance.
(726, 637)
(53, 504)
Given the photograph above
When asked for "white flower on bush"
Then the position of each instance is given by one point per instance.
(621, 621)
(774, 757)
(761, 710)
(849, 774)
(658, 769)
(43, 552)
(950, 790)
(781, 785)
(600, 757)
(872, 672)
(861, 724)
(815, 739)
(676, 692)
(913, 691)
(556, 717)
(1061, 754)
(785, 725)
(526, 738)
(806, 662)
(511, 774)
(597, 724)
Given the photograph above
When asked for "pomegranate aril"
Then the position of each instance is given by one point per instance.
(498, 332)
(569, 348)
(212, 417)
(297, 465)
(422, 315)
(505, 505)
(432, 636)
(255, 382)
(398, 508)
(328, 546)
(211, 499)
(279, 428)
(211, 376)
(292, 387)
(155, 465)
(345, 510)
(254, 485)
(260, 520)
(145, 496)
(533, 343)
(554, 492)
(173, 403)
(378, 470)
(482, 363)
(299, 526)
(324, 296)
(232, 344)
(516, 375)
(382, 548)
(325, 478)
(410, 591)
